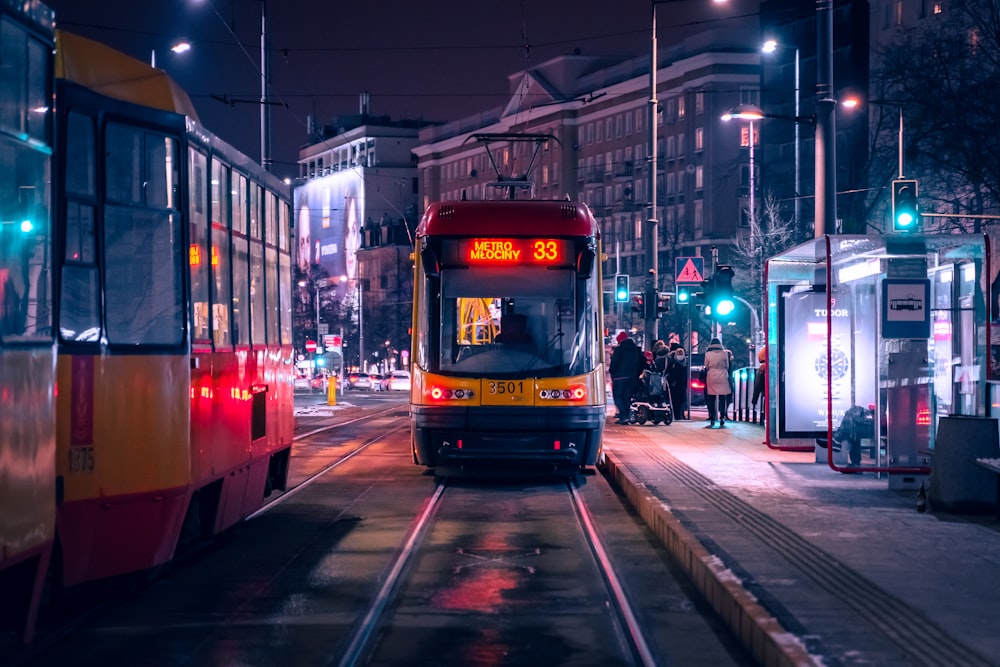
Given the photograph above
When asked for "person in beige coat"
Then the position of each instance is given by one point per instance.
(718, 365)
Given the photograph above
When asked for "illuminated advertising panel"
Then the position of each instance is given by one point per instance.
(328, 216)
(805, 366)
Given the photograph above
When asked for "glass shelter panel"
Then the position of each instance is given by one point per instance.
(892, 326)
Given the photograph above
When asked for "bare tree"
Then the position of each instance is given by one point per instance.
(942, 74)
(767, 235)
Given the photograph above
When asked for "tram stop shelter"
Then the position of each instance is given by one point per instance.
(892, 332)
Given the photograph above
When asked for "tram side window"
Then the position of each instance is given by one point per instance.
(258, 314)
(142, 236)
(271, 276)
(198, 256)
(241, 262)
(271, 266)
(25, 299)
(221, 285)
(24, 82)
(285, 285)
(79, 318)
(285, 272)
(257, 331)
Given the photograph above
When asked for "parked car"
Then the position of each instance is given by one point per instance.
(398, 381)
(359, 381)
(302, 382)
(697, 386)
(380, 382)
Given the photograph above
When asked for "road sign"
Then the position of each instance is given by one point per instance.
(689, 270)
(331, 341)
(310, 346)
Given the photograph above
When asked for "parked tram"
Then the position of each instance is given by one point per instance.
(27, 350)
(508, 355)
(173, 312)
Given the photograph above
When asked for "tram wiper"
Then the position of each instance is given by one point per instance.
(540, 356)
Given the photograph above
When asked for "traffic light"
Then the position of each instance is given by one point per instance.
(651, 301)
(663, 303)
(683, 294)
(905, 210)
(638, 305)
(722, 301)
(621, 288)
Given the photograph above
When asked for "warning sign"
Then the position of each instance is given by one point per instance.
(689, 270)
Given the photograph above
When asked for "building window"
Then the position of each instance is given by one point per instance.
(598, 132)
(699, 138)
(680, 107)
(699, 102)
(699, 177)
(628, 123)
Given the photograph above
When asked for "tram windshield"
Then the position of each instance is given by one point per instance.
(532, 322)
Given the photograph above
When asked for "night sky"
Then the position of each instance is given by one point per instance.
(433, 59)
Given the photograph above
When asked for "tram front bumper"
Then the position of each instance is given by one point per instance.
(559, 436)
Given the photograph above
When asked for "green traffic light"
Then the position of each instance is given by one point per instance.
(724, 307)
(683, 295)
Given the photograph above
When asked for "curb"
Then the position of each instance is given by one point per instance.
(759, 632)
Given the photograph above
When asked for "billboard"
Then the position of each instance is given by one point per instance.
(328, 218)
(805, 369)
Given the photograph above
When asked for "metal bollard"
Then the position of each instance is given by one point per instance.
(331, 390)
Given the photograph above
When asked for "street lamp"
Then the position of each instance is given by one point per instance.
(749, 113)
(265, 112)
(770, 46)
(853, 102)
(178, 47)
(651, 240)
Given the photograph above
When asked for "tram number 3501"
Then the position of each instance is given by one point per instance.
(509, 387)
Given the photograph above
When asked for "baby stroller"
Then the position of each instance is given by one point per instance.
(651, 400)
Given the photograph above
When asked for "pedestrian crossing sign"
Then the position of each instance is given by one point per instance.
(689, 270)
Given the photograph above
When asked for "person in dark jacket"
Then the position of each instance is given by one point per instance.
(718, 364)
(677, 379)
(627, 362)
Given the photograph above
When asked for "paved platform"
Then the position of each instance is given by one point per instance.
(807, 565)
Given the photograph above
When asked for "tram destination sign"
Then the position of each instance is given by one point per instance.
(514, 251)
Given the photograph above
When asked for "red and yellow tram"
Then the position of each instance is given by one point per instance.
(508, 360)
(27, 350)
(173, 311)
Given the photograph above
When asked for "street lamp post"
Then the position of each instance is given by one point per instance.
(826, 131)
(652, 229)
(265, 112)
(651, 240)
(769, 47)
(853, 102)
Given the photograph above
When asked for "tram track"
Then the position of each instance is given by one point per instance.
(362, 643)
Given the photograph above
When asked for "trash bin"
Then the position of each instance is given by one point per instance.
(957, 484)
